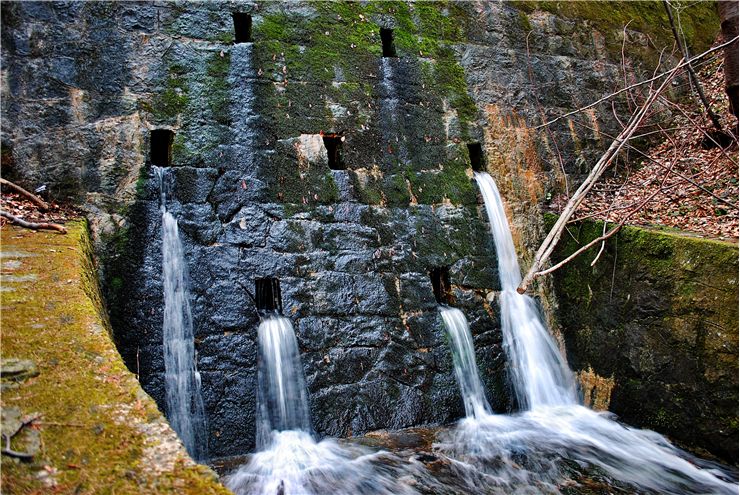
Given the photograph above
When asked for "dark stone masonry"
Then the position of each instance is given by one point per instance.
(329, 146)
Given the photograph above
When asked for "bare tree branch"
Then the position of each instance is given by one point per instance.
(611, 153)
(35, 199)
(34, 226)
(604, 237)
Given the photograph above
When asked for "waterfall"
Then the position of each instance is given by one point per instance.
(281, 397)
(183, 399)
(289, 460)
(463, 358)
(540, 374)
(524, 451)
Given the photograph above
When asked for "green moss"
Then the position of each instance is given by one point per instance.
(345, 36)
(524, 22)
(174, 98)
(180, 152)
(699, 21)
(89, 401)
(217, 87)
(653, 298)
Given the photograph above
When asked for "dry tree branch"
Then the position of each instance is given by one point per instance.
(31, 225)
(35, 199)
(611, 153)
(606, 236)
(692, 75)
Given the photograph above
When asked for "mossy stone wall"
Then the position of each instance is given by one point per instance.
(658, 313)
(254, 195)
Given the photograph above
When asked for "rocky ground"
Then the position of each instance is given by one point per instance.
(701, 193)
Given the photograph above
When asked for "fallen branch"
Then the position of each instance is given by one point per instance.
(692, 75)
(34, 226)
(605, 236)
(611, 153)
(14, 453)
(6, 450)
(35, 199)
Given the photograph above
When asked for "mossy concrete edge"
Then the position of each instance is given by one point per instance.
(100, 432)
(658, 314)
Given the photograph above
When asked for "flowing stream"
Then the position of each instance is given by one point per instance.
(530, 452)
(183, 398)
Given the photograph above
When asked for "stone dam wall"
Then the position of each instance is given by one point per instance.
(305, 155)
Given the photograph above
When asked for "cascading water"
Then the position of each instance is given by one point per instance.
(289, 461)
(183, 398)
(463, 358)
(541, 377)
(525, 453)
(282, 398)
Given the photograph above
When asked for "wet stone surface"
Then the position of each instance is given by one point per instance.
(254, 195)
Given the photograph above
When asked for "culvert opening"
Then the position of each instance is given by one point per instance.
(267, 295)
(475, 152)
(386, 38)
(161, 147)
(242, 27)
(333, 145)
(440, 276)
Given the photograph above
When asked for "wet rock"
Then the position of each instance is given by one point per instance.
(15, 371)
(23, 440)
(254, 195)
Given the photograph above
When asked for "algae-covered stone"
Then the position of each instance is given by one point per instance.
(658, 313)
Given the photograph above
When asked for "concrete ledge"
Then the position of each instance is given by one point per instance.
(654, 324)
(95, 431)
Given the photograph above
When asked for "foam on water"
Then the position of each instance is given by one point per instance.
(533, 451)
(289, 460)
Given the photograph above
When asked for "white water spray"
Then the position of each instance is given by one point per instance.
(289, 460)
(525, 452)
(183, 398)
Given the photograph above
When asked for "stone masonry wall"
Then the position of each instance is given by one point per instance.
(85, 83)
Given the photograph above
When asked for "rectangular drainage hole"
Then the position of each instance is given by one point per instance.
(333, 145)
(242, 27)
(267, 295)
(475, 151)
(440, 276)
(386, 38)
(160, 143)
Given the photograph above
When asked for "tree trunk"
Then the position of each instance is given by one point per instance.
(728, 16)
